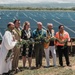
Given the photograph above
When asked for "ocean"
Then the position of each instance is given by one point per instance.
(67, 18)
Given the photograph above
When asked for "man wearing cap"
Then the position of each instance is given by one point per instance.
(8, 43)
(39, 32)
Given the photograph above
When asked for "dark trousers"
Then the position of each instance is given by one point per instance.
(38, 54)
(63, 51)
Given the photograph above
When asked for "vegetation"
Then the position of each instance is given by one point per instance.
(49, 71)
(33, 8)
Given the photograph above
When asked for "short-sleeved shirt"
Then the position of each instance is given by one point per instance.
(37, 32)
(62, 37)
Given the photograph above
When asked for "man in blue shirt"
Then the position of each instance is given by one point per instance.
(38, 47)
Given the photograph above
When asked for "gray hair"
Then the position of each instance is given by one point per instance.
(39, 23)
(49, 24)
(10, 23)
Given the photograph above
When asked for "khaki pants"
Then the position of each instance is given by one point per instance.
(16, 51)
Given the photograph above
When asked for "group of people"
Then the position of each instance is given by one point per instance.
(13, 34)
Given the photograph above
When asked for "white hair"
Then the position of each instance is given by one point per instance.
(49, 24)
(39, 23)
(11, 23)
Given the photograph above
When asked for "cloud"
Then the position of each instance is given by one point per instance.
(35, 1)
(6, 1)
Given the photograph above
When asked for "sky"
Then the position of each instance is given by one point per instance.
(35, 1)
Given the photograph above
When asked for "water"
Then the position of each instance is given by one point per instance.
(55, 17)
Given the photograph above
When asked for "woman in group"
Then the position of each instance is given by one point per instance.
(27, 52)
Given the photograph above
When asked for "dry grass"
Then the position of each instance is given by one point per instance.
(49, 71)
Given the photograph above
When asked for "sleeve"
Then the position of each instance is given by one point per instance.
(45, 33)
(68, 36)
(33, 34)
(56, 35)
(22, 34)
(8, 41)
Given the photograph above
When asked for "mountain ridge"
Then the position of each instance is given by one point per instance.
(44, 5)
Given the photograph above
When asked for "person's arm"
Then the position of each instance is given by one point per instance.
(9, 43)
(56, 36)
(68, 37)
(22, 34)
(44, 33)
(1, 35)
(34, 35)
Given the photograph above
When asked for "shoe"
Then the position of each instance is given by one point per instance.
(69, 65)
(46, 66)
(30, 68)
(19, 70)
(40, 66)
(10, 72)
(24, 68)
(5, 74)
(16, 71)
(62, 66)
(37, 67)
(54, 65)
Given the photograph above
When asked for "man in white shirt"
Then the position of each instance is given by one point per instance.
(8, 43)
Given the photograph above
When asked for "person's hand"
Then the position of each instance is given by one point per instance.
(66, 40)
(6, 60)
(20, 40)
(13, 38)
